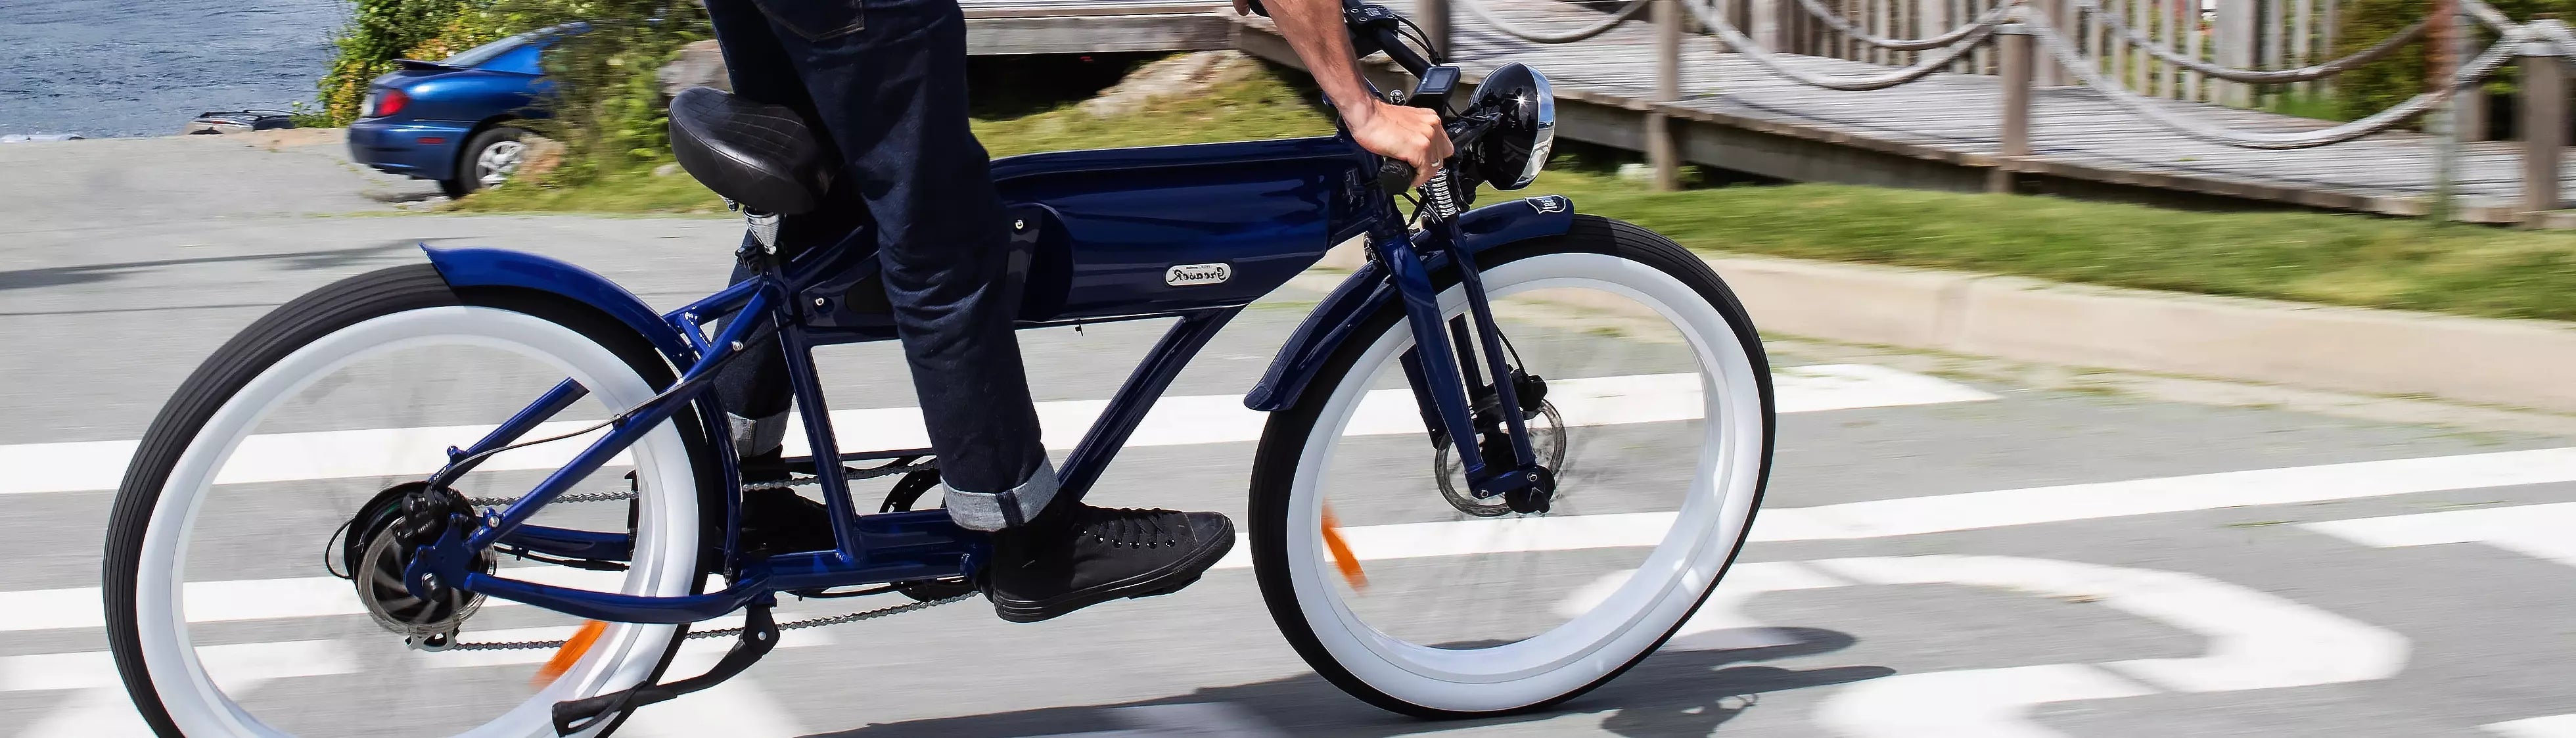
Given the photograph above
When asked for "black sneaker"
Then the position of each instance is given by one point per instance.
(779, 521)
(1092, 555)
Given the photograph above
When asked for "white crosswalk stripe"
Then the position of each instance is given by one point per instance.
(2545, 532)
(2554, 726)
(1181, 420)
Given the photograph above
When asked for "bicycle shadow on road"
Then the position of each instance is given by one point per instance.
(1673, 693)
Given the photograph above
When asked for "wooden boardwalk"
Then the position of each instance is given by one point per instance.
(1010, 27)
(1942, 132)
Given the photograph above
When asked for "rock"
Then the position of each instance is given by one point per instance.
(544, 156)
(1637, 172)
(667, 169)
(701, 64)
(1186, 74)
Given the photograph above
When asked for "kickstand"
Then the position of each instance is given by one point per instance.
(759, 634)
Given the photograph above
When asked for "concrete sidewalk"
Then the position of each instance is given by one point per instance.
(2523, 364)
(2516, 363)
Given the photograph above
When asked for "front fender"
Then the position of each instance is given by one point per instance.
(1370, 288)
(478, 267)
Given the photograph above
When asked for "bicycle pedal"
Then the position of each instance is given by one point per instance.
(933, 590)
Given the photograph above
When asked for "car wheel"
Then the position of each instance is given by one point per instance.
(490, 158)
(453, 188)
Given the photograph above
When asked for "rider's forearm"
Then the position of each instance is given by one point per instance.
(1314, 28)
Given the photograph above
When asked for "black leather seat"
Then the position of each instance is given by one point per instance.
(762, 156)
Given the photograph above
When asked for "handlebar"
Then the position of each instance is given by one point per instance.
(1373, 28)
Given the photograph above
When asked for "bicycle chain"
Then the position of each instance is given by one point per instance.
(725, 632)
(577, 497)
(849, 474)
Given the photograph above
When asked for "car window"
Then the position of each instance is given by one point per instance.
(522, 60)
(480, 55)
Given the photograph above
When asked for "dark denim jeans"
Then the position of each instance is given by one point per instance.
(886, 80)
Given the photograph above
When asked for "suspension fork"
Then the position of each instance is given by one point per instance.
(1441, 366)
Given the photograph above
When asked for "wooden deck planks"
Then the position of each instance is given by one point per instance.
(2076, 132)
(1013, 27)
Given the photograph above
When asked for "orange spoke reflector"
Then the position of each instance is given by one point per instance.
(571, 652)
(1341, 550)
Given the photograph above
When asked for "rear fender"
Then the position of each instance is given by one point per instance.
(1371, 288)
(465, 268)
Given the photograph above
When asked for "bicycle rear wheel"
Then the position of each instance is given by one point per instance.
(238, 604)
(1405, 590)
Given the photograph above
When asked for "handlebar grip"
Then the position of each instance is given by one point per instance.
(1258, 10)
(1394, 176)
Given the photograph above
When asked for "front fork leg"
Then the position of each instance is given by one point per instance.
(1438, 374)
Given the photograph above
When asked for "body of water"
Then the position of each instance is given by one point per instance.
(103, 68)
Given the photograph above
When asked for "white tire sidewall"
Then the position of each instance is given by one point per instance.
(667, 515)
(1668, 585)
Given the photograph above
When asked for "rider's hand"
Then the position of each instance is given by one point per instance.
(1412, 135)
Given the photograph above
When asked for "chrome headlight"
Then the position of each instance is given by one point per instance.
(1511, 155)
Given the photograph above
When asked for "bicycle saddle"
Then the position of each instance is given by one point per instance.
(759, 155)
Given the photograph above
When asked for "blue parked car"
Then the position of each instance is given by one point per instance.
(453, 120)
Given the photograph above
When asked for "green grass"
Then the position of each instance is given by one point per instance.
(2317, 257)
(2318, 105)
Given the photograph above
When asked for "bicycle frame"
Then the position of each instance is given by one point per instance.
(806, 300)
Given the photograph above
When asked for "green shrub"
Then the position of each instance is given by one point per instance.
(608, 110)
(379, 32)
(2379, 85)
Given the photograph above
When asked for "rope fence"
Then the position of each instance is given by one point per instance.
(2069, 40)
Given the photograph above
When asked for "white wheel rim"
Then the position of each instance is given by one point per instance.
(498, 161)
(666, 520)
(1666, 586)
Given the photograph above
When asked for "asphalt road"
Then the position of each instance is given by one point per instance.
(2002, 557)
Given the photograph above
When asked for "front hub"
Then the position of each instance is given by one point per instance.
(1547, 438)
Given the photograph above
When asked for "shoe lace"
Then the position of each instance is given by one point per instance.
(1134, 527)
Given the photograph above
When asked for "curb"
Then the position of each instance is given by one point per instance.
(2521, 363)
(2515, 363)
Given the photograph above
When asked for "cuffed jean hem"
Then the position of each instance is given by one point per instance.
(756, 436)
(991, 511)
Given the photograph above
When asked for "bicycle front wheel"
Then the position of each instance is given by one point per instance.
(252, 588)
(1400, 586)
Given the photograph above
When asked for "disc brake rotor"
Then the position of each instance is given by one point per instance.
(378, 571)
(1547, 442)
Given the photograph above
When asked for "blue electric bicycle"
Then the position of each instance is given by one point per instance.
(1502, 462)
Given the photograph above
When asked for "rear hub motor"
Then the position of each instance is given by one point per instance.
(383, 539)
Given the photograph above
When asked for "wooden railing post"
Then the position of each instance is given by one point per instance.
(1433, 17)
(2544, 128)
(1765, 17)
(2015, 71)
(2061, 16)
(2237, 36)
(1661, 150)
